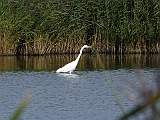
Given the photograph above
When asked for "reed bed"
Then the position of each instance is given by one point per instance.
(63, 26)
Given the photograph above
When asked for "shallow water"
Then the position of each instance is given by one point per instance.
(83, 95)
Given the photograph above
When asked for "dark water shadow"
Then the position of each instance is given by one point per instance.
(86, 62)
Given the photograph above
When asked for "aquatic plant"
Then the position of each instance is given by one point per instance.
(147, 100)
(63, 26)
(18, 112)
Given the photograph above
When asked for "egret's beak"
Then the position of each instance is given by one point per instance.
(89, 46)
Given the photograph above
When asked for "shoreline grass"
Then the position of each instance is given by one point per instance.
(63, 26)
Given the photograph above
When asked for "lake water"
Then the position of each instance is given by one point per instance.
(83, 95)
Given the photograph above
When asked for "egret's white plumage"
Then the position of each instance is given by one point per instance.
(72, 65)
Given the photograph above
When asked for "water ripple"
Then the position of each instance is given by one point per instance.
(83, 95)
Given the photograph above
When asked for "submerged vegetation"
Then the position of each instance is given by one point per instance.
(63, 26)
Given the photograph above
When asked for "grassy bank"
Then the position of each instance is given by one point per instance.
(63, 26)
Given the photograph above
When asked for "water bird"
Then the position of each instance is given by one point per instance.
(72, 65)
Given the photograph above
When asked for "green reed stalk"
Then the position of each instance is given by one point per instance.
(111, 86)
(21, 107)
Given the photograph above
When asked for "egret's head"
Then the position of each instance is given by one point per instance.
(86, 46)
(89, 46)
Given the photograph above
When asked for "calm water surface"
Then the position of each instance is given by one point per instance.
(83, 95)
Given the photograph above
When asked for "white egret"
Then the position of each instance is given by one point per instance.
(72, 65)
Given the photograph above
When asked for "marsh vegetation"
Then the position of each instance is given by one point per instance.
(64, 26)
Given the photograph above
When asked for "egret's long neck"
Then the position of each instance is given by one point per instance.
(77, 59)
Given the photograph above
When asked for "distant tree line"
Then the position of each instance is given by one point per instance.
(63, 26)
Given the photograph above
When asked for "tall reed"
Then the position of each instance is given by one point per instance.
(63, 26)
